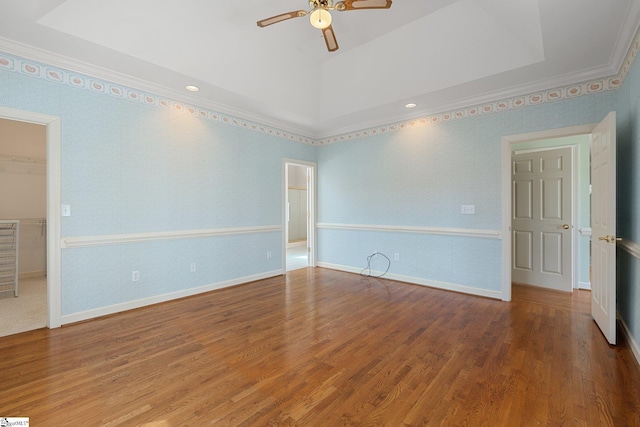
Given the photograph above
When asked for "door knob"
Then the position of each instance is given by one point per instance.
(610, 239)
(565, 226)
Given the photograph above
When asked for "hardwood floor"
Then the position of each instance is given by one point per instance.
(325, 348)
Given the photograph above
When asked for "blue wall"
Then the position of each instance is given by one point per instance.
(128, 167)
(420, 177)
(628, 200)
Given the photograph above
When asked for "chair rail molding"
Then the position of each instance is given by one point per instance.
(116, 239)
(443, 231)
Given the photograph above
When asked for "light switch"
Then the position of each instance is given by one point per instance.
(66, 210)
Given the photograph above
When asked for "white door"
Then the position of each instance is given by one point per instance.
(541, 218)
(603, 226)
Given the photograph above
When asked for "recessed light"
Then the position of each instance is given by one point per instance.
(410, 105)
(192, 88)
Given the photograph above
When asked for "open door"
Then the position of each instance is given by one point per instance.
(603, 226)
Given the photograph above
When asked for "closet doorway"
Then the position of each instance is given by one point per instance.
(299, 215)
(23, 219)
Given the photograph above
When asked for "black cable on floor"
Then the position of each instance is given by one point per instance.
(368, 267)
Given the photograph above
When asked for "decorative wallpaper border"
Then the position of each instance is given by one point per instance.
(81, 81)
(537, 98)
(542, 97)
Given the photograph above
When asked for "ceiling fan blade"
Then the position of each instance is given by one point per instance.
(363, 4)
(330, 39)
(282, 17)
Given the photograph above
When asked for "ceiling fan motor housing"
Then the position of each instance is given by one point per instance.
(315, 4)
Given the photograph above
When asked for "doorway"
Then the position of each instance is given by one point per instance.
(23, 282)
(299, 215)
(578, 139)
(542, 217)
(47, 227)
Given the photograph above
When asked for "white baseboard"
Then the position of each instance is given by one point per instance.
(419, 281)
(584, 285)
(632, 343)
(130, 305)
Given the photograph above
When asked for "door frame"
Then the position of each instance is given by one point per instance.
(311, 205)
(54, 269)
(507, 143)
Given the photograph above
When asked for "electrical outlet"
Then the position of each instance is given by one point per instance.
(396, 256)
(135, 276)
(268, 254)
(468, 209)
(192, 267)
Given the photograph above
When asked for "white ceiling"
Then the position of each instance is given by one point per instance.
(439, 54)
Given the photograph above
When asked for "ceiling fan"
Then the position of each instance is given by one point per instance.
(321, 18)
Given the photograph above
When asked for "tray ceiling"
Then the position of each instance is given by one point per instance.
(440, 54)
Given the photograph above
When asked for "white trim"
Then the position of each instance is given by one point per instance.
(575, 215)
(419, 281)
(626, 37)
(507, 142)
(584, 285)
(552, 90)
(57, 60)
(630, 246)
(525, 90)
(460, 232)
(635, 349)
(116, 239)
(130, 305)
(54, 269)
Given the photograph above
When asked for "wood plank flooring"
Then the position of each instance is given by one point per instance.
(324, 348)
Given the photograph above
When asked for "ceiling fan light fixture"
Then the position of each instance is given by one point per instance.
(320, 18)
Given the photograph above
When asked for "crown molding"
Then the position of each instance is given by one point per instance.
(46, 57)
(606, 77)
(626, 37)
(559, 82)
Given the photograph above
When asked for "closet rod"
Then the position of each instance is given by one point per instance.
(28, 221)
